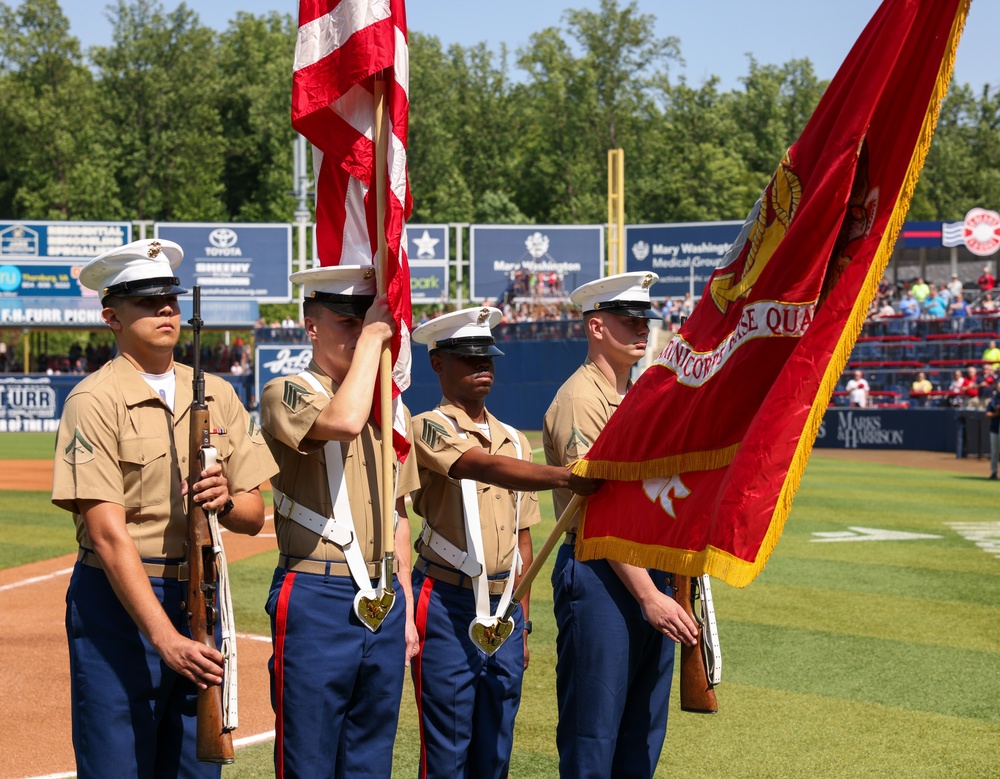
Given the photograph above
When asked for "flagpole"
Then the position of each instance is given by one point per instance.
(385, 359)
(571, 510)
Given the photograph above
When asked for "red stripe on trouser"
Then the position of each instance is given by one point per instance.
(423, 603)
(280, 621)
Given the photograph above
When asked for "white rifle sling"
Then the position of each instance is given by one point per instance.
(342, 515)
(710, 647)
(474, 533)
(230, 704)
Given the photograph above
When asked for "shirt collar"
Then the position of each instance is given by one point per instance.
(498, 433)
(607, 389)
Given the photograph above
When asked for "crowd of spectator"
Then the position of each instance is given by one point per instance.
(80, 360)
(919, 300)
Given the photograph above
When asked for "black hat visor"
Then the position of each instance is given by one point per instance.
(474, 346)
(355, 306)
(145, 288)
(634, 308)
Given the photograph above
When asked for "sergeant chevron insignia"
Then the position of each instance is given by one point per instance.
(432, 433)
(293, 395)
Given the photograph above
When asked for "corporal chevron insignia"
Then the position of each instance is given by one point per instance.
(79, 450)
(433, 433)
(293, 395)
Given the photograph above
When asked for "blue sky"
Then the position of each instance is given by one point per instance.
(715, 35)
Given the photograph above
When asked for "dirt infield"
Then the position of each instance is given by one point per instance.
(34, 663)
(26, 475)
(35, 735)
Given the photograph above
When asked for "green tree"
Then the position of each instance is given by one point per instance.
(255, 63)
(686, 168)
(440, 191)
(580, 106)
(159, 87)
(771, 112)
(58, 162)
(962, 169)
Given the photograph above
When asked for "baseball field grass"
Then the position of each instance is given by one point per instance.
(867, 647)
(843, 659)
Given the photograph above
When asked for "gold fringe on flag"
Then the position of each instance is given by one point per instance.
(651, 469)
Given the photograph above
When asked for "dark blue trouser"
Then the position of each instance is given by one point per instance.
(335, 685)
(466, 700)
(132, 715)
(613, 674)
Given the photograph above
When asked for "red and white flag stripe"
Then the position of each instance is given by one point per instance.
(342, 46)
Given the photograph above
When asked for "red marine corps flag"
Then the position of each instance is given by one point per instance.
(343, 50)
(709, 446)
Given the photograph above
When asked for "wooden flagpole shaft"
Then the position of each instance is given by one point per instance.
(385, 359)
(571, 510)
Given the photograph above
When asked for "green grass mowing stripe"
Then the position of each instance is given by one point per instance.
(920, 620)
(888, 578)
(945, 555)
(32, 529)
(27, 446)
(773, 734)
(863, 492)
(933, 679)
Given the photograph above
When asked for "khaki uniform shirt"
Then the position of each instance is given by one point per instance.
(288, 409)
(439, 499)
(577, 415)
(119, 442)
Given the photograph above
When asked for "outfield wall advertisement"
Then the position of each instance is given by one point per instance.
(574, 254)
(40, 265)
(427, 253)
(234, 261)
(682, 255)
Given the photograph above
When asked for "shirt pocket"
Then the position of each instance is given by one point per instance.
(145, 470)
(224, 450)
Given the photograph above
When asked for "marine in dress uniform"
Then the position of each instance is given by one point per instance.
(120, 465)
(335, 684)
(477, 498)
(616, 623)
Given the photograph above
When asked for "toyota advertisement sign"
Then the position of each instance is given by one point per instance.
(234, 261)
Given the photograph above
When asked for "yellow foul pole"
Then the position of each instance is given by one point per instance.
(616, 211)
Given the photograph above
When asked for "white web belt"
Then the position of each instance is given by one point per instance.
(474, 538)
(340, 527)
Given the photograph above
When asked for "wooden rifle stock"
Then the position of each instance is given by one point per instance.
(697, 694)
(214, 745)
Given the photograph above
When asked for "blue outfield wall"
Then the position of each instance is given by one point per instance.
(32, 403)
(527, 378)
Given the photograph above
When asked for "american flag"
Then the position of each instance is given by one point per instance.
(341, 48)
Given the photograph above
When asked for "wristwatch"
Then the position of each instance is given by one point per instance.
(527, 627)
(226, 508)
